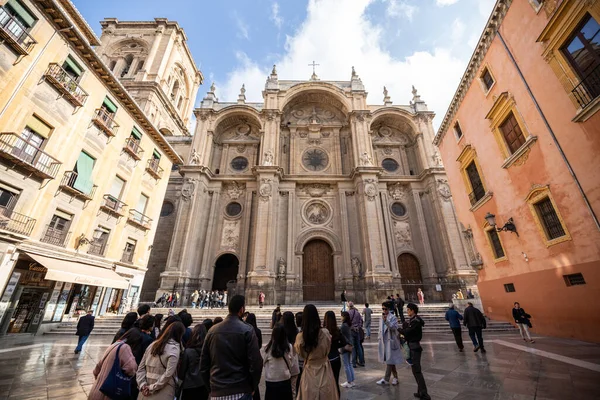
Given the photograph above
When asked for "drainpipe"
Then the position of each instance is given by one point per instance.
(28, 72)
(558, 146)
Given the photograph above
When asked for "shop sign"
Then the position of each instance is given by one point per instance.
(62, 301)
(8, 292)
(52, 302)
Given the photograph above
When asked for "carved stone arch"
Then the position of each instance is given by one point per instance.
(335, 94)
(397, 118)
(318, 233)
(229, 117)
(124, 47)
(165, 131)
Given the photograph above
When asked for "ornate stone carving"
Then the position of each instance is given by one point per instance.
(316, 189)
(444, 189)
(281, 268)
(188, 189)
(357, 271)
(523, 158)
(366, 159)
(265, 189)
(370, 189)
(387, 151)
(194, 157)
(474, 256)
(398, 191)
(240, 148)
(311, 114)
(402, 233)
(234, 190)
(437, 159)
(269, 159)
(231, 235)
(317, 212)
(349, 193)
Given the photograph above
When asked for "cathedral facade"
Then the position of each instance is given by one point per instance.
(307, 194)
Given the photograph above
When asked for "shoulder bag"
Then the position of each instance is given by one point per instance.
(117, 385)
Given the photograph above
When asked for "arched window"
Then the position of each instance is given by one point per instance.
(175, 90)
(140, 66)
(128, 61)
(112, 65)
(180, 102)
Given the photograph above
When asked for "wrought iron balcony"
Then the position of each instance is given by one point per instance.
(477, 194)
(154, 169)
(28, 156)
(132, 147)
(139, 219)
(68, 184)
(97, 247)
(65, 84)
(588, 89)
(113, 205)
(15, 222)
(127, 257)
(55, 236)
(105, 122)
(15, 34)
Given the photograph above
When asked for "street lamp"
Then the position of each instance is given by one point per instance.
(508, 226)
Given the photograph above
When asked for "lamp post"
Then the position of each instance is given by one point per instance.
(509, 226)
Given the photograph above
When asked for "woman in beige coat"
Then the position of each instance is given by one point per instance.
(157, 373)
(312, 344)
(130, 341)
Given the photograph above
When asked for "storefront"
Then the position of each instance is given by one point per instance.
(44, 290)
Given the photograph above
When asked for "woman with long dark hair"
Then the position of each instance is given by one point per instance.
(126, 345)
(126, 325)
(337, 342)
(279, 366)
(157, 371)
(157, 321)
(288, 320)
(251, 319)
(313, 345)
(347, 353)
(193, 387)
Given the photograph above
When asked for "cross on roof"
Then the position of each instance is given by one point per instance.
(313, 65)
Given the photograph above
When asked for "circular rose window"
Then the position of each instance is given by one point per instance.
(398, 209)
(239, 163)
(233, 209)
(167, 209)
(390, 165)
(315, 159)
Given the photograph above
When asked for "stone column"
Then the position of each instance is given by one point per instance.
(424, 236)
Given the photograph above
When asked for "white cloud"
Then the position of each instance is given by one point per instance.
(457, 30)
(275, 17)
(442, 3)
(400, 8)
(341, 37)
(242, 27)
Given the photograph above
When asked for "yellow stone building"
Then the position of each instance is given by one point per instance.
(84, 165)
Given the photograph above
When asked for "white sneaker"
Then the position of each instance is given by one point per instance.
(346, 385)
(352, 384)
(394, 381)
(382, 382)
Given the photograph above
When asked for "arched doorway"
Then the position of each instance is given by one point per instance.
(226, 269)
(318, 278)
(410, 272)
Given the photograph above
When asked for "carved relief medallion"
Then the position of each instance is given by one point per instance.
(398, 191)
(317, 212)
(444, 189)
(402, 233)
(231, 235)
(370, 189)
(265, 189)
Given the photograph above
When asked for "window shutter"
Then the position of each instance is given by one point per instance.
(39, 127)
(23, 13)
(71, 63)
(142, 202)
(110, 106)
(136, 134)
(564, 80)
(117, 187)
(156, 154)
(63, 215)
(85, 165)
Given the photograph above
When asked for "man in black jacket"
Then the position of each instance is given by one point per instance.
(231, 363)
(475, 322)
(85, 325)
(413, 333)
(400, 307)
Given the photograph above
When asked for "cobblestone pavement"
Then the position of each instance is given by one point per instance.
(511, 369)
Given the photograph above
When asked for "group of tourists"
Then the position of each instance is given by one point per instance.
(168, 300)
(209, 299)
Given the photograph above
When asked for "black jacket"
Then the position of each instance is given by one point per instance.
(343, 297)
(520, 316)
(413, 329)
(399, 304)
(231, 362)
(85, 325)
(189, 368)
(473, 318)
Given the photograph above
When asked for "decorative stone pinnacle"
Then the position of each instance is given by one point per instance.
(386, 98)
(274, 71)
(212, 87)
(242, 95)
(354, 75)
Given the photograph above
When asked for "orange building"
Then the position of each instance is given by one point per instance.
(521, 144)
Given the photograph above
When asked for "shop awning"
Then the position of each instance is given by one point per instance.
(85, 274)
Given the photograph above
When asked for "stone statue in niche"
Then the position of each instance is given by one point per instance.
(356, 267)
(437, 159)
(269, 159)
(366, 159)
(281, 268)
(194, 157)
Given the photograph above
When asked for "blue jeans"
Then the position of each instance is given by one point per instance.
(344, 306)
(193, 304)
(80, 343)
(476, 332)
(357, 349)
(368, 329)
(348, 366)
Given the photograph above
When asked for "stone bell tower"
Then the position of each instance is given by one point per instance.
(154, 63)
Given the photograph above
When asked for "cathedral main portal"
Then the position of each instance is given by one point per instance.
(317, 271)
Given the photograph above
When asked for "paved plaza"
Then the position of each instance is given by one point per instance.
(46, 368)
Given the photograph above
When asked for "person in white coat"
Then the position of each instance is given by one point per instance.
(390, 352)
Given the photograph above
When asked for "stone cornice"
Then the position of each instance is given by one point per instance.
(489, 32)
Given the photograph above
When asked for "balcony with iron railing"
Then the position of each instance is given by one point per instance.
(588, 89)
(55, 236)
(28, 156)
(132, 147)
(97, 247)
(76, 188)
(154, 169)
(65, 84)
(15, 34)
(477, 194)
(105, 122)
(14, 222)
(127, 257)
(113, 205)
(140, 220)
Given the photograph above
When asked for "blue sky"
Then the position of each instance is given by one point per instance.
(396, 43)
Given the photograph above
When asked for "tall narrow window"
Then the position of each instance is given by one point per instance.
(129, 250)
(496, 244)
(142, 203)
(478, 191)
(99, 242)
(512, 133)
(457, 130)
(8, 197)
(116, 189)
(175, 90)
(127, 67)
(550, 221)
(112, 65)
(33, 136)
(487, 79)
(140, 66)
(57, 230)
